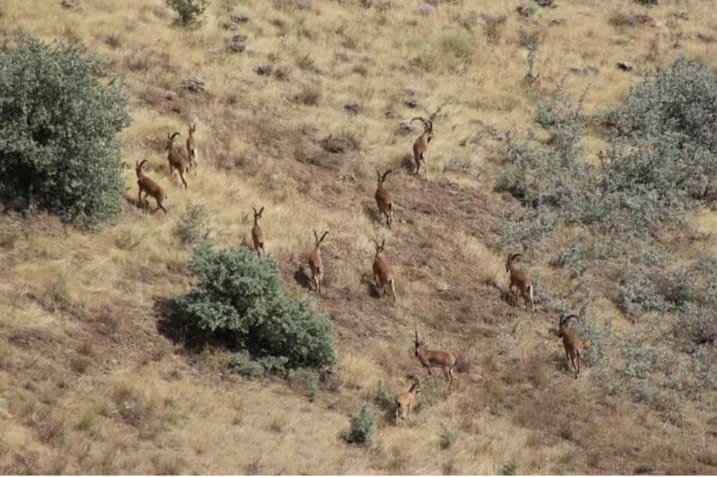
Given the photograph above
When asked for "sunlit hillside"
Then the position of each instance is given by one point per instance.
(91, 381)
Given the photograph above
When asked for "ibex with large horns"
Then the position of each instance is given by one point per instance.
(572, 344)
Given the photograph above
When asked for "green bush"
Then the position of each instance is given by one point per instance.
(59, 119)
(363, 425)
(188, 10)
(239, 299)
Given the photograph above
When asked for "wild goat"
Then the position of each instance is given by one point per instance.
(384, 198)
(177, 159)
(149, 187)
(572, 344)
(192, 145)
(519, 280)
(405, 401)
(436, 359)
(257, 236)
(421, 145)
(315, 263)
(382, 272)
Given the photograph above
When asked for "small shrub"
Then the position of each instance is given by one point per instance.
(310, 95)
(457, 42)
(193, 226)
(341, 142)
(509, 468)
(189, 11)
(239, 299)
(59, 120)
(447, 437)
(363, 425)
(86, 422)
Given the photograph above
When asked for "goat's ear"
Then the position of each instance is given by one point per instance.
(261, 211)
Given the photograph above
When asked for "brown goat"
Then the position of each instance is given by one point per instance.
(192, 145)
(420, 146)
(149, 187)
(315, 263)
(436, 359)
(177, 159)
(405, 401)
(384, 198)
(382, 272)
(572, 344)
(257, 236)
(519, 281)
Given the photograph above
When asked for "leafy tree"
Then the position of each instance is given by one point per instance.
(59, 120)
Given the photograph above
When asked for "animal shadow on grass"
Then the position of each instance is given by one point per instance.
(144, 205)
(408, 164)
(373, 290)
(372, 213)
(171, 327)
(302, 278)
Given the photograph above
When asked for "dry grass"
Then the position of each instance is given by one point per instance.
(80, 311)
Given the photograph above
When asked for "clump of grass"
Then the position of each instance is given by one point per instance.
(305, 380)
(509, 468)
(363, 425)
(309, 95)
(193, 225)
(385, 398)
(447, 437)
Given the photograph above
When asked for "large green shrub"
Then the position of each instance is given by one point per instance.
(239, 298)
(59, 120)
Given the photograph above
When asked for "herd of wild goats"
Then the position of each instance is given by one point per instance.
(520, 281)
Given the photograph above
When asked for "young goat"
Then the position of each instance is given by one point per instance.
(519, 280)
(421, 145)
(315, 263)
(382, 272)
(257, 236)
(192, 145)
(405, 401)
(436, 359)
(177, 159)
(384, 198)
(149, 187)
(572, 344)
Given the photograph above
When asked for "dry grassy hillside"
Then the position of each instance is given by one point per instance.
(89, 383)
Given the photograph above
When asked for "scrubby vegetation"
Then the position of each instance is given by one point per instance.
(659, 164)
(59, 119)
